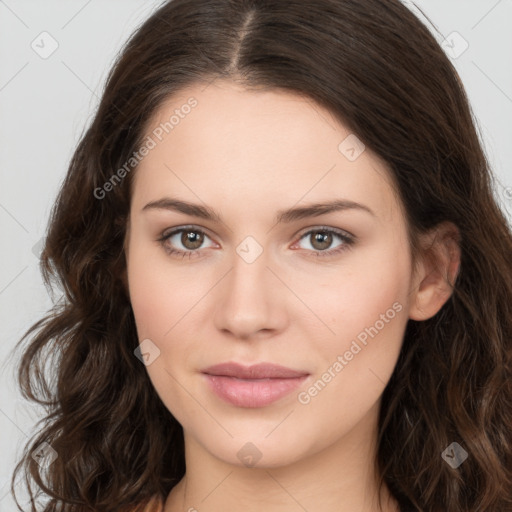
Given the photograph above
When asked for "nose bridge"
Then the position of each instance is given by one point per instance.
(250, 266)
(249, 295)
(249, 279)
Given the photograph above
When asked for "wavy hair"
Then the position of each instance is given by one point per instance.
(380, 71)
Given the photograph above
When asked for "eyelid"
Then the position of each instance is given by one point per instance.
(320, 227)
(304, 231)
(168, 233)
(188, 227)
(348, 239)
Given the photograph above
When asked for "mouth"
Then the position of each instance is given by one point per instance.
(252, 386)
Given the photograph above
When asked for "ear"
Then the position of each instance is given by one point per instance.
(436, 271)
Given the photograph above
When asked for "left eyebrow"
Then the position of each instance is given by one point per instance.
(317, 209)
(283, 216)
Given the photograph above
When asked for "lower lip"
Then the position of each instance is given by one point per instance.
(252, 393)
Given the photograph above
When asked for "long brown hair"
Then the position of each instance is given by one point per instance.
(380, 71)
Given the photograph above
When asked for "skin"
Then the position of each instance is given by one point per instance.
(248, 155)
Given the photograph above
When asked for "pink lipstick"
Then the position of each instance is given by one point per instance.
(252, 386)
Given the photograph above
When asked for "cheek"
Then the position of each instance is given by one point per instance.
(147, 297)
(355, 296)
(366, 306)
(159, 294)
(356, 362)
(152, 304)
(158, 307)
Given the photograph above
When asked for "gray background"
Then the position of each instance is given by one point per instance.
(45, 104)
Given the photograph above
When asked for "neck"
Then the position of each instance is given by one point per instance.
(341, 478)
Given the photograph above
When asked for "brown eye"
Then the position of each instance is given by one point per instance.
(321, 240)
(192, 239)
(185, 241)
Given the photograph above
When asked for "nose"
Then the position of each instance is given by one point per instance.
(251, 300)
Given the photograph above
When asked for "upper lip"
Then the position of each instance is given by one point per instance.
(256, 371)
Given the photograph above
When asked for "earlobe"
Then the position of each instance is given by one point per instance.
(436, 272)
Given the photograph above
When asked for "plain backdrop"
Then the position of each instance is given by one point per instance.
(46, 101)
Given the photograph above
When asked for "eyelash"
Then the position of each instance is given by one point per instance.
(348, 241)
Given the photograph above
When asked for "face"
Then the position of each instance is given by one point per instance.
(252, 274)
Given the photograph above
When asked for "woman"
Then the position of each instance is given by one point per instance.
(287, 281)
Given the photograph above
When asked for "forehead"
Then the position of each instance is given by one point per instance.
(265, 146)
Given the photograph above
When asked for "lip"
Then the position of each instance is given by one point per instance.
(252, 386)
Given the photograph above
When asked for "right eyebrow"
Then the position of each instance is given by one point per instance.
(283, 216)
